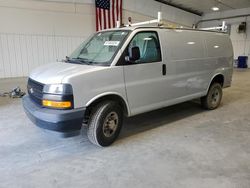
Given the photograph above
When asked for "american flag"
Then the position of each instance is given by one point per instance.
(108, 12)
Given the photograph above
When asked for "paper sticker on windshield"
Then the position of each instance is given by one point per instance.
(111, 43)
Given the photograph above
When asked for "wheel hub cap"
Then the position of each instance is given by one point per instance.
(110, 124)
(215, 96)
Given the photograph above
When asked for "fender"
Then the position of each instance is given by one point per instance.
(108, 94)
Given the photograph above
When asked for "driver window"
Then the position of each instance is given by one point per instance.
(149, 46)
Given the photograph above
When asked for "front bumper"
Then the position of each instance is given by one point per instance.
(52, 119)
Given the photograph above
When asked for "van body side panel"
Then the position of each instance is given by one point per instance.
(175, 74)
(86, 86)
(186, 65)
(220, 55)
(194, 58)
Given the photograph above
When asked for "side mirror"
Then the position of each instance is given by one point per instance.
(134, 53)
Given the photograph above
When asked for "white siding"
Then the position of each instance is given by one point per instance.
(34, 33)
(20, 53)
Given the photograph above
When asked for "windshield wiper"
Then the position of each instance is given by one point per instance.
(83, 60)
(78, 60)
(73, 61)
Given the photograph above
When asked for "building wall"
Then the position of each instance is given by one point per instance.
(34, 33)
(240, 41)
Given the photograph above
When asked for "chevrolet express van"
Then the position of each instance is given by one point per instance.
(128, 71)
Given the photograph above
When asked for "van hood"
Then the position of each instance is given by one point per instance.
(54, 73)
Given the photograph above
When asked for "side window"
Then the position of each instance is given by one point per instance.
(149, 46)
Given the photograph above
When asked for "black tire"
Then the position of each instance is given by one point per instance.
(213, 98)
(105, 123)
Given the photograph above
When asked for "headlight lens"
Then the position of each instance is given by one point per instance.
(58, 89)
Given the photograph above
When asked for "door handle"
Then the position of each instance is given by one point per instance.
(164, 69)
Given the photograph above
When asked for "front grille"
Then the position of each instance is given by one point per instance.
(35, 90)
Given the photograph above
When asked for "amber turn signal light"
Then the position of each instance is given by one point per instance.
(57, 104)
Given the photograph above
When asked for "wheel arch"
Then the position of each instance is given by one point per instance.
(218, 78)
(113, 96)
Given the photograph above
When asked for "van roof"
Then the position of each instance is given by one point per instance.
(132, 28)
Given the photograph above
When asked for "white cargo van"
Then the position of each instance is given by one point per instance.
(128, 71)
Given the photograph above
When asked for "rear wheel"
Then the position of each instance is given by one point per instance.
(105, 123)
(213, 98)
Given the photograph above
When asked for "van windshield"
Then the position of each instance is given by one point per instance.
(99, 49)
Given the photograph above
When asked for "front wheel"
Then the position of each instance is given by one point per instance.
(105, 123)
(213, 98)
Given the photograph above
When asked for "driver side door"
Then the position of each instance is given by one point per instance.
(144, 78)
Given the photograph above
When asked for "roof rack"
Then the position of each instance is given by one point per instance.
(222, 28)
(159, 23)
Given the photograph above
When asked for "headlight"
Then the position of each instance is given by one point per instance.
(58, 89)
(59, 96)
